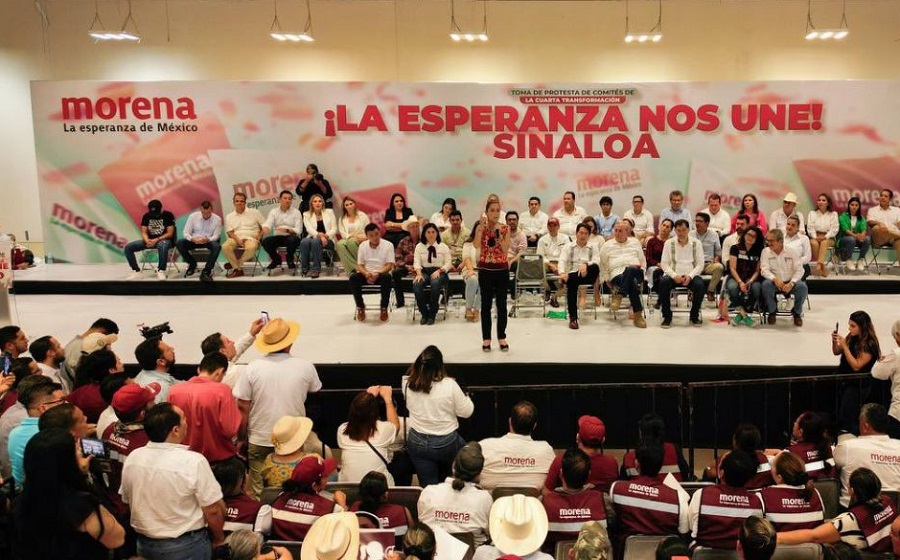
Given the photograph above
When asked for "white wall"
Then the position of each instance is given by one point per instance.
(531, 42)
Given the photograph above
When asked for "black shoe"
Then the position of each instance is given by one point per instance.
(696, 321)
(190, 271)
(423, 320)
(400, 305)
(666, 323)
(273, 265)
(430, 320)
(206, 277)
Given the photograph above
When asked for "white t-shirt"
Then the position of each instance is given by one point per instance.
(465, 511)
(276, 385)
(720, 222)
(568, 222)
(167, 487)
(888, 217)
(515, 460)
(878, 452)
(889, 369)
(643, 222)
(358, 459)
(435, 413)
(374, 259)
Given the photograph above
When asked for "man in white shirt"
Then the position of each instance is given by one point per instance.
(641, 218)
(569, 215)
(676, 211)
(48, 354)
(550, 246)
(682, 263)
(579, 265)
(454, 237)
(244, 228)
(534, 222)
(374, 262)
(884, 220)
(873, 449)
(232, 350)
(516, 459)
(798, 242)
(286, 225)
(518, 242)
(156, 358)
(778, 218)
(202, 230)
(622, 265)
(782, 272)
(273, 386)
(176, 504)
(719, 220)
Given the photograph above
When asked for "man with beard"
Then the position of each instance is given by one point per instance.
(156, 358)
(157, 232)
(48, 354)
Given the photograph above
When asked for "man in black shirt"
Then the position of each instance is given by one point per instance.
(157, 232)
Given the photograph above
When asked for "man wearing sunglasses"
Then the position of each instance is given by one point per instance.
(37, 400)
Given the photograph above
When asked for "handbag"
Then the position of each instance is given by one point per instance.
(400, 466)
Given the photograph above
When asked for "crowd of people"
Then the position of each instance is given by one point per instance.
(101, 463)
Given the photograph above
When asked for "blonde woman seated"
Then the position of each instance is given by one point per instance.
(321, 229)
(470, 276)
(352, 229)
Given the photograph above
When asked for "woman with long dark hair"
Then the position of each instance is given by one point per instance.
(364, 439)
(58, 516)
(92, 369)
(743, 284)
(396, 215)
(431, 262)
(442, 219)
(859, 351)
(435, 402)
(469, 272)
(822, 225)
(811, 443)
(868, 523)
(853, 234)
(313, 183)
(750, 208)
(373, 495)
(492, 241)
(792, 486)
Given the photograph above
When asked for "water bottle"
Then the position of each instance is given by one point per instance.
(48, 258)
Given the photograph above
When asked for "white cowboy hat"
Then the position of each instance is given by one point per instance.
(518, 524)
(334, 536)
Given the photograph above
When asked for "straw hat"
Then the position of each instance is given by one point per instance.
(290, 433)
(334, 536)
(277, 335)
(518, 524)
(97, 341)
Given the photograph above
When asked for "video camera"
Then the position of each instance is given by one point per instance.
(155, 331)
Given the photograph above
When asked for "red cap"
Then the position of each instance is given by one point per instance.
(312, 468)
(591, 430)
(132, 397)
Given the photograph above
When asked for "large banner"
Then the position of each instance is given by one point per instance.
(104, 149)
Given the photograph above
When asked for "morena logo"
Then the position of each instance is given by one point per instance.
(141, 108)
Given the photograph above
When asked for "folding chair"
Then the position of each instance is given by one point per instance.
(530, 278)
(784, 303)
(834, 258)
(691, 487)
(642, 547)
(442, 302)
(888, 251)
(715, 554)
(201, 255)
(269, 495)
(503, 491)
(239, 252)
(351, 489)
(148, 259)
(406, 496)
(830, 492)
(807, 551)
(375, 289)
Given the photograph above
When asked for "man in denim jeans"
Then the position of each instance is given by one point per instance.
(622, 265)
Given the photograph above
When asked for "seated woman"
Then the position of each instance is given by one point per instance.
(655, 248)
(352, 228)
(431, 262)
(464, 507)
(792, 503)
(747, 438)
(852, 235)
(812, 445)
(419, 542)
(373, 494)
(301, 503)
(92, 369)
(442, 219)
(822, 225)
(364, 439)
(750, 208)
(321, 229)
(241, 511)
(397, 214)
(470, 277)
(870, 524)
(289, 436)
(743, 284)
(247, 545)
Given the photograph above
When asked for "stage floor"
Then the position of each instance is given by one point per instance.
(329, 335)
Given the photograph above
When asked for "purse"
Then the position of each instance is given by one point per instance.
(400, 466)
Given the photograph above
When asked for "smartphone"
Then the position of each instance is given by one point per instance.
(264, 316)
(836, 325)
(7, 364)
(93, 448)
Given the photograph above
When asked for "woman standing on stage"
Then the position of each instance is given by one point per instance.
(492, 241)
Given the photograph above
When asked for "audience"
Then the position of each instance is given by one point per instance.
(592, 543)
(364, 439)
(373, 495)
(459, 505)
(573, 505)
(103, 327)
(244, 544)
(48, 354)
(68, 417)
(232, 350)
(888, 369)
(92, 370)
(127, 434)
(156, 358)
(516, 459)
(673, 548)
(289, 435)
(873, 449)
(717, 511)
(39, 399)
(13, 341)
(108, 389)
(18, 412)
(812, 445)
(757, 539)
(604, 469)
(518, 526)
(793, 502)
(241, 511)
(419, 543)
(302, 502)
(652, 427)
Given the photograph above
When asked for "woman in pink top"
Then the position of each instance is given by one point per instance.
(750, 207)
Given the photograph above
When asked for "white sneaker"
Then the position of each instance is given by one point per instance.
(135, 275)
(851, 265)
(161, 274)
(861, 265)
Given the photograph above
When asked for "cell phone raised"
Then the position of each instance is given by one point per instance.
(836, 326)
(264, 316)
(93, 448)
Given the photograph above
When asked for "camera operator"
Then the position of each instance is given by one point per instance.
(313, 183)
(156, 358)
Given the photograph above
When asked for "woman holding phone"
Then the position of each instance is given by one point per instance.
(859, 351)
(492, 240)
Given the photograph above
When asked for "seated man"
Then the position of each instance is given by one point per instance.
(794, 239)
(534, 222)
(741, 223)
(573, 505)
(712, 252)
(646, 506)
(454, 237)
(517, 240)
(374, 262)
(682, 262)
(641, 220)
(515, 459)
(157, 232)
(873, 449)
(884, 220)
(783, 273)
(622, 265)
(579, 264)
(569, 215)
(286, 225)
(550, 246)
(244, 228)
(718, 512)
(606, 220)
(202, 230)
(779, 217)
(676, 210)
(719, 220)
(590, 437)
